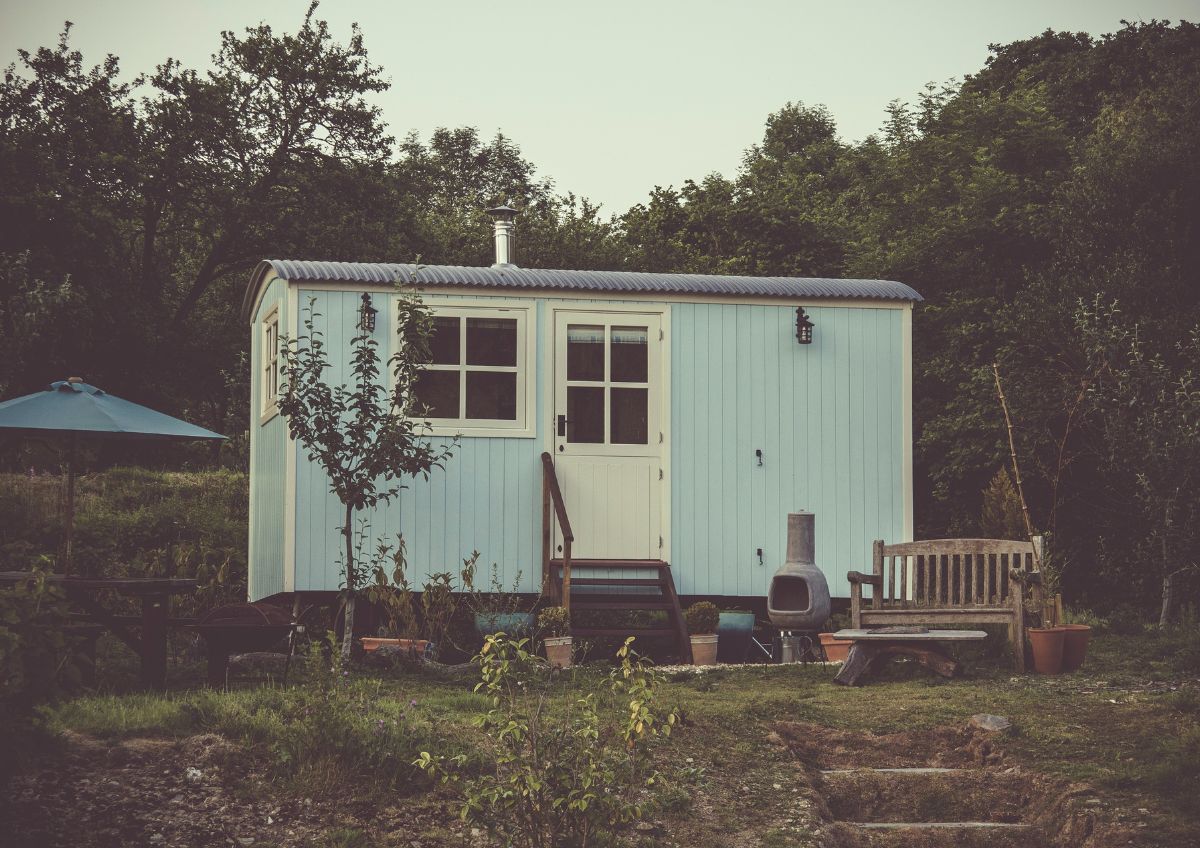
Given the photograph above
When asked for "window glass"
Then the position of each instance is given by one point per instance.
(629, 425)
(491, 341)
(629, 355)
(438, 390)
(585, 414)
(491, 394)
(585, 353)
(443, 344)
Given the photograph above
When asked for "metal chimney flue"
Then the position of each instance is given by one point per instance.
(503, 224)
(798, 598)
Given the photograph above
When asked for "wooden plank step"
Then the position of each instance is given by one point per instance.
(917, 770)
(622, 631)
(610, 563)
(614, 581)
(578, 603)
(962, 825)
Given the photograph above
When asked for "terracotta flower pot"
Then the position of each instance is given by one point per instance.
(1075, 645)
(419, 647)
(836, 650)
(704, 649)
(558, 650)
(1047, 643)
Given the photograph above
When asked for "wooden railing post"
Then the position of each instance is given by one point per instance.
(547, 535)
(566, 591)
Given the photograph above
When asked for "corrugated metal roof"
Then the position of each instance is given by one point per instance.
(615, 282)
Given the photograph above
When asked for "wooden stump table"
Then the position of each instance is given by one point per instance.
(872, 647)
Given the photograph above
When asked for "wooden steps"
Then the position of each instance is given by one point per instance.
(607, 593)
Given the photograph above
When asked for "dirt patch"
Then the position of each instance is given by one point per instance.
(199, 791)
(943, 747)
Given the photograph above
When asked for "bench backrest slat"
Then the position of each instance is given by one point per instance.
(950, 572)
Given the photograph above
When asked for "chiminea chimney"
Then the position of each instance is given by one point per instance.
(503, 217)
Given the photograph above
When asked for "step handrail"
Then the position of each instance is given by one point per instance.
(552, 499)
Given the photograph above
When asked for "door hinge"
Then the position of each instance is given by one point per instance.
(660, 474)
(660, 541)
(661, 334)
(660, 438)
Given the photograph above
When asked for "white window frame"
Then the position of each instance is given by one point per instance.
(269, 366)
(525, 426)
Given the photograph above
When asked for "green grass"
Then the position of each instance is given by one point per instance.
(1128, 724)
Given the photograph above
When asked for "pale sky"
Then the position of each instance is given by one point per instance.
(607, 98)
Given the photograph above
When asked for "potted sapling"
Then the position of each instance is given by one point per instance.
(702, 621)
(555, 624)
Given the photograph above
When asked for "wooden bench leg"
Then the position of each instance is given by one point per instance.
(863, 656)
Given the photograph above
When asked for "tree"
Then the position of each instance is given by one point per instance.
(367, 437)
(1150, 414)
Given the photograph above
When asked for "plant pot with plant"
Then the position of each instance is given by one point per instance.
(496, 609)
(702, 621)
(555, 625)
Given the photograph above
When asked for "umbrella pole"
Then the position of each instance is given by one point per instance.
(70, 528)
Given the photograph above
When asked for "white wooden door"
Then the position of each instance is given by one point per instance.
(608, 436)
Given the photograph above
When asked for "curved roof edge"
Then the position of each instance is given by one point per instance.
(511, 277)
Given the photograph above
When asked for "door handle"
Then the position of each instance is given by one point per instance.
(562, 426)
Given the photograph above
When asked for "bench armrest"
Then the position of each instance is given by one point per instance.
(859, 577)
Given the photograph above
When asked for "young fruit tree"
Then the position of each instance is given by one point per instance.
(368, 436)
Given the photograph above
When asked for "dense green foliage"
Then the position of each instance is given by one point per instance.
(1060, 179)
(139, 523)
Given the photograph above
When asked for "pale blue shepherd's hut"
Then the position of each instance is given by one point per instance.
(685, 416)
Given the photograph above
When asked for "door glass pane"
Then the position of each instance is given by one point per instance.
(491, 341)
(443, 344)
(629, 362)
(438, 390)
(492, 394)
(629, 423)
(585, 353)
(585, 414)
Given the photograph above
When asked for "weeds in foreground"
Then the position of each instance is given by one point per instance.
(566, 776)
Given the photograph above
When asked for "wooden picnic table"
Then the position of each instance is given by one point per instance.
(155, 594)
(872, 647)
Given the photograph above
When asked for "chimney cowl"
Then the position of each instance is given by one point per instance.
(503, 224)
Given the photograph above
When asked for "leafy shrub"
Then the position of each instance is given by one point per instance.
(34, 662)
(702, 618)
(563, 773)
(554, 621)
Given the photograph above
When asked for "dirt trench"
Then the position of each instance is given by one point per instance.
(941, 788)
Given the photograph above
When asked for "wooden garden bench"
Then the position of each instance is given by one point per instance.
(943, 581)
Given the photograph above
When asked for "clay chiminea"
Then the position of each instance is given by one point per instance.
(799, 595)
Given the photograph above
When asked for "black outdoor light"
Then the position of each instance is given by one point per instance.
(804, 327)
(366, 314)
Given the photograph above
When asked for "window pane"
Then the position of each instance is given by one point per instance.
(438, 390)
(492, 394)
(629, 426)
(629, 364)
(443, 344)
(585, 353)
(491, 341)
(585, 414)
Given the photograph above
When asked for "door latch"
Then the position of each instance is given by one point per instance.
(562, 426)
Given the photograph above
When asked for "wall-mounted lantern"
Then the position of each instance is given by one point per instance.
(366, 314)
(804, 327)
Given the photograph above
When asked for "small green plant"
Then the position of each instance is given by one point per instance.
(555, 621)
(702, 618)
(495, 599)
(391, 591)
(563, 773)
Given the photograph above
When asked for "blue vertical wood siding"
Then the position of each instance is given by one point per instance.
(268, 445)
(486, 499)
(827, 417)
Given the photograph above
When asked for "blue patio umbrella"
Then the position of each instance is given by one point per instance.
(71, 409)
